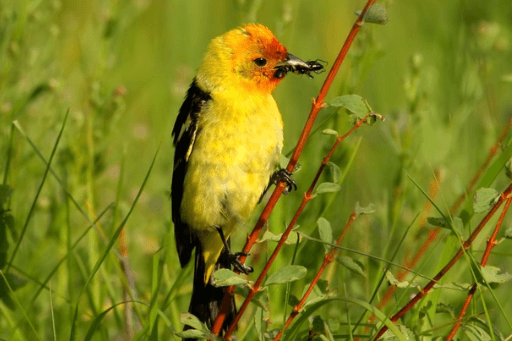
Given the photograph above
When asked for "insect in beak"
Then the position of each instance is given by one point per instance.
(296, 65)
(292, 61)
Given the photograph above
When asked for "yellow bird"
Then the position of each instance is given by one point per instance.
(228, 137)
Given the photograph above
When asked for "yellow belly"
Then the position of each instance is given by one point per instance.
(237, 146)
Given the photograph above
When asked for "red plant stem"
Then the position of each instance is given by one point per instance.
(317, 104)
(315, 109)
(329, 258)
(491, 242)
(307, 197)
(504, 196)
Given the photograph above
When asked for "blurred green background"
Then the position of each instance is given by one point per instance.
(440, 72)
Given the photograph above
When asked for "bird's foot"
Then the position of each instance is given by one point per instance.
(234, 259)
(286, 176)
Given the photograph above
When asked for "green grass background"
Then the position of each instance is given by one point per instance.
(440, 72)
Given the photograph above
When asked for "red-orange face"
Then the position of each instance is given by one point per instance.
(256, 53)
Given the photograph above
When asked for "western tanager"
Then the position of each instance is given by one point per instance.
(228, 137)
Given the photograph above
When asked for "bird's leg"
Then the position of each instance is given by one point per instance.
(283, 175)
(234, 257)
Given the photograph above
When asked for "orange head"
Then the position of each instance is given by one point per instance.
(249, 57)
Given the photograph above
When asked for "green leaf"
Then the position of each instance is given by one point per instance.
(258, 318)
(191, 320)
(317, 325)
(485, 198)
(267, 235)
(493, 274)
(353, 103)
(293, 300)
(226, 277)
(325, 231)
(271, 334)
(458, 226)
(445, 309)
(508, 233)
(483, 325)
(8, 221)
(407, 333)
(330, 132)
(327, 187)
(376, 14)
(353, 265)
(335, 171)
(322, 286)
(364, 210)
(191, 333)
(475, 333)
(287, 274)
(201, 331)
(438, 222)
(14, 283)
(353, 119)
(508, 168)
(395, 282)
(454, 286)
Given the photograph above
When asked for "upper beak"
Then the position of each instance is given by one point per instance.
(292, 61)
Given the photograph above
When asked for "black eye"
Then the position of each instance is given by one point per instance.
(260, 61)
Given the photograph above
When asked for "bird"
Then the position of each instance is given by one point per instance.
(228, 137)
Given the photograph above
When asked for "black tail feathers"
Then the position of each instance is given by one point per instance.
(207, 299)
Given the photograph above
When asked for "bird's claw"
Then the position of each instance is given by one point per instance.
(239, 266)
(286, 176)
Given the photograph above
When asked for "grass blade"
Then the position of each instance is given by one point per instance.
(43, 180)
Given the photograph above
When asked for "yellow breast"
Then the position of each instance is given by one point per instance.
(238, 144)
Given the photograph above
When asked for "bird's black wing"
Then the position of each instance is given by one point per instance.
(185, 131)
